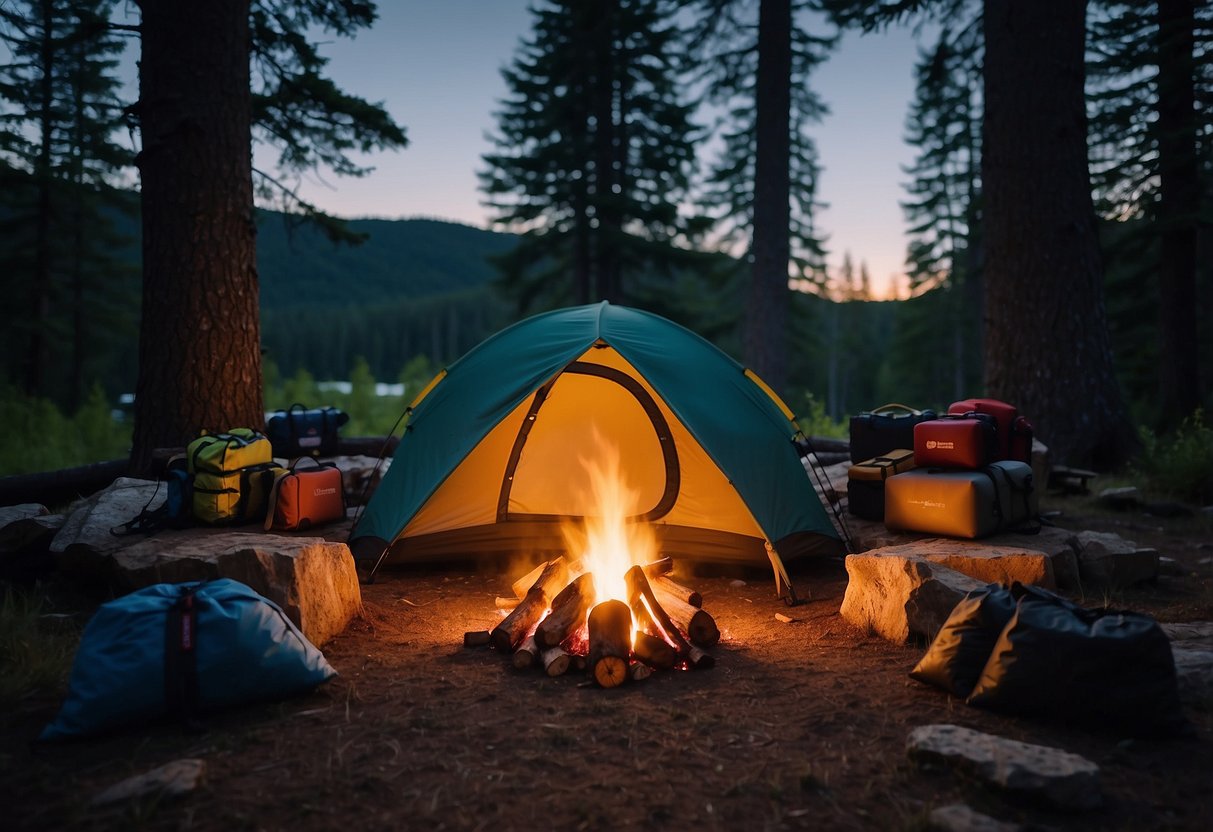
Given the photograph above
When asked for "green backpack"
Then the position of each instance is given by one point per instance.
(233, 473)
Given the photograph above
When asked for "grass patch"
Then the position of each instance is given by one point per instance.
(1180, 465)
(35, 651)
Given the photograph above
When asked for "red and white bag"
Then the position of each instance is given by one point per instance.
(305, 498)
(968, 441)
(1014, 431)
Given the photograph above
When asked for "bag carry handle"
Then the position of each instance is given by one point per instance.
(896, 406)
(319, 465)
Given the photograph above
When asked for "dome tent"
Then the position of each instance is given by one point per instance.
(488, 466)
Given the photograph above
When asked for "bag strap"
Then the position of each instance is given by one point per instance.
(271, 502)
(181, 657)
(897, 406)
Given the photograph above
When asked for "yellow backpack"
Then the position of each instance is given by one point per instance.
(233, 473)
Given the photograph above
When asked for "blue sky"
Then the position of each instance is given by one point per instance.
(436, 66)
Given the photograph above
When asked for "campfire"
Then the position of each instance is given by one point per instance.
(608, 606)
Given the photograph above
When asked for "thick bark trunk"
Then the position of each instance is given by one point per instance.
(1047, 345)
(199, 341)
(766, 319)
(1178, 212)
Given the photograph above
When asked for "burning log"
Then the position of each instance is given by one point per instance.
(639, 592)
(610, 628)
(514, 627)
(698, 624)
(525, 655)
(555, 661)
(568, 611)
(476, 638)
(659, 567)
(683, 593)
(656, 652)
(527, 581)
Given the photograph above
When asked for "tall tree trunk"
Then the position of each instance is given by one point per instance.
(766, 318)
(199, 341)
(1178, 210)
(1047, 344)
(38, 363)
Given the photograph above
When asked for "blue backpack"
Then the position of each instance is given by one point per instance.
(182, 649)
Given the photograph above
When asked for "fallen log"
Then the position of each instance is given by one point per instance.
(698, 624)
(640, 593)
(568, 611)
(610, 626)
(654, 651)
(684, 593)
(522, 620)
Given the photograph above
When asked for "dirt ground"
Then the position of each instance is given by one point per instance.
(800, 725)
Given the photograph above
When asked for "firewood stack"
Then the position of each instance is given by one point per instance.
(559, 624)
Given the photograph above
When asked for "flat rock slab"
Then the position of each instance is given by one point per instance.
(1192, 649)
(960, 818)
(898, 597)
(1106, 559)
(977, 559)
(1049, 775)
(89, 521)
(311, 579)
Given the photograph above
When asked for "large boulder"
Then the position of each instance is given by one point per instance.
(983, 561)
(900, 596)
(1107, 560)
(1037, 772)
(1057, 544)
(312, 579)
(89, 528)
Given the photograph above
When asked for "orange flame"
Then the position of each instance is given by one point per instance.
(610, 543)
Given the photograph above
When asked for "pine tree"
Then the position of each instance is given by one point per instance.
(1149, 69)
(199, 349)
(762, 190)
(594, 153)
(1047, 345)
(58, 95)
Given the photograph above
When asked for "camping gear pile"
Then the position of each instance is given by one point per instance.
(560, 624)
(1027, 651)
(179, 651)
(966, 474)
(233, 478)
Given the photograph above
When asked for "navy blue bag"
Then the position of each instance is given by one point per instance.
(180, 650)
(298, 431)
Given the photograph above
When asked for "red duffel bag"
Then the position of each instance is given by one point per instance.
(1014, 431)
(969, 441)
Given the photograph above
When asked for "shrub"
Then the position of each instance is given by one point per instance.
(1180, 465)
(35, 651)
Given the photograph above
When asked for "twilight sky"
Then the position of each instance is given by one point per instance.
(436, 66)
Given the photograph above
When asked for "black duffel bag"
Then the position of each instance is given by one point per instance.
(298, 431)
(887, 428)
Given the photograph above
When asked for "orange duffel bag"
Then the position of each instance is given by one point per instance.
(305, 498)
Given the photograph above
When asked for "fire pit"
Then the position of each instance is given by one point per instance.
(610, 609)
